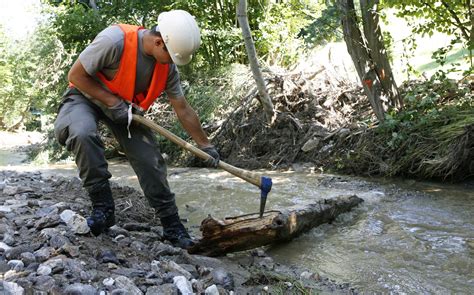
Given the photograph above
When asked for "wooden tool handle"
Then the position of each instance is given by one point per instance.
(248, 176)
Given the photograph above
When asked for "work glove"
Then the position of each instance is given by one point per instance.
(214, 160)
(119, 113)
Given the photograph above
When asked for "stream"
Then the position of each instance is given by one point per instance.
(407, 237)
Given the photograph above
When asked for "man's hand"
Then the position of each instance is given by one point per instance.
(215, 157)
(119, 113)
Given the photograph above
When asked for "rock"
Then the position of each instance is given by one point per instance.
(126, 284)
(265, 262)
(223, 278)
(70, 250)
(211, 290)
(44, 270)
(4, 247)
(108, 282)
(310, 144)
(25, 283)
(11, 288)
(16, 265)
(73, 267)
(56, 263)
(198, 286)
(4, 267)
(58, 241)
(161, 249)
(4, 228)
(88, 275)
(306, 275)
(80, 289)
(138, 246)
(12, 275)
(168, 289)
(43, 254)
(45, 211)
(48, 233)
(15, 252)
(10, 190)
(44, 283)
(9, 239)
(27, 258)
(172, 266)
(107, 256)
(32, 267)
(183, 285)
(76, 222)
(51, 220)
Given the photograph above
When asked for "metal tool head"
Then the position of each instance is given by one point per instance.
(265, 188)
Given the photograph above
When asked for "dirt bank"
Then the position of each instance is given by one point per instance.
(46, 247)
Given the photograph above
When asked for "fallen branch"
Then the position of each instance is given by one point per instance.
(249, 231)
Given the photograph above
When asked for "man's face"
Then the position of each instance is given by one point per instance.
(160, 52)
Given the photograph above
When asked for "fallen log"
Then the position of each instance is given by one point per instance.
(250, 231)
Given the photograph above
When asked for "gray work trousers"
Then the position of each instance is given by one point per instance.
(76, 128)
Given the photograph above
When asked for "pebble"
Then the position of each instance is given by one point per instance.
(40, 254)
(16, 265)
(183, 285)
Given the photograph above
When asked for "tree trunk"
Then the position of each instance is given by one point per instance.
(264, 98)
(357, 48)
(250, 231)
(377, 51)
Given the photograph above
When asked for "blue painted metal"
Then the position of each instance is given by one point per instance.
(265, 187)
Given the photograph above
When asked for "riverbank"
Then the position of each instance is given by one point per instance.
(47, 247)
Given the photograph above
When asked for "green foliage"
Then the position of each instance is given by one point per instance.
(429, 16)
(33, 77)
(75, 25)
(429, 104)
(278, 30)
(430, 138)
(324, 28)
(211, 95)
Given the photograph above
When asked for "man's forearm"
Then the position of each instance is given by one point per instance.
(86, 84)
(190, 122)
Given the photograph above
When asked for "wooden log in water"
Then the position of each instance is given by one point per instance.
(250, 231)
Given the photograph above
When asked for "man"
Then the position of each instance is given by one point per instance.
(129, 66)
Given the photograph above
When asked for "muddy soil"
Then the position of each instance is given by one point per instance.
(46, 248)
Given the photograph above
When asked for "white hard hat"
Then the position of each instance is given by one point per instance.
(180, 33)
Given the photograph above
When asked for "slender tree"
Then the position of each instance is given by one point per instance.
(264, 98)
(369, 55)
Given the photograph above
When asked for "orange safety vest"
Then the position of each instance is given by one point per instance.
(123, 84)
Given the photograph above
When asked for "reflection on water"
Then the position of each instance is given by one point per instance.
(407, 237)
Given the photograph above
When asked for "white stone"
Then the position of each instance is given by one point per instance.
(11, 288)
(108, 282)
(183, 285)
(66, 215)
(4, 247)
(125, 283)
(10, 190)
(75, 222)
(211, 290)
(306, 275)
(5, 209)
(172, 266)
(44, 270)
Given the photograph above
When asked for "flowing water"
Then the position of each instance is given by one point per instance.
(407, 237)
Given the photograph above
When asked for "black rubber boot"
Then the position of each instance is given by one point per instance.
(174, 231)
(103, 208)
